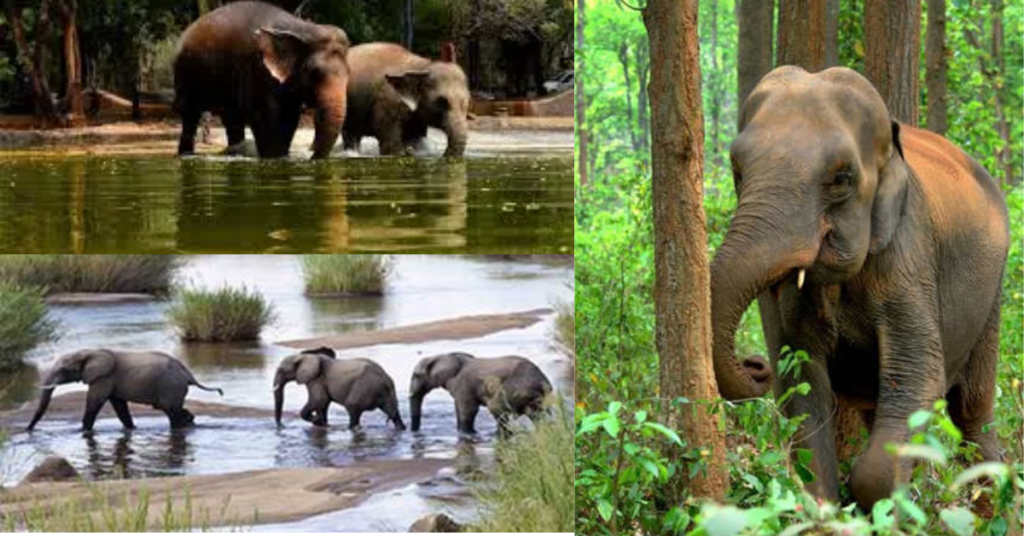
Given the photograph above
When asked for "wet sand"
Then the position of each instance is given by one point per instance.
(233, 500)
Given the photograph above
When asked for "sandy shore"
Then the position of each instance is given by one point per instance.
(466, 327)
(232, 500)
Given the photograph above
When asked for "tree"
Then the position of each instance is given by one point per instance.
(580, 95)
(68, 10)
(936, 66)
(33, 56)
(892, 46)
(755, 44)
(804, 38)
(682, 294)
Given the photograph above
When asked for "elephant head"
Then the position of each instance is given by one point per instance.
(429, 374)
(439, 96)
(302, 368)
(83, 366)
(821, 182)
(309, 61)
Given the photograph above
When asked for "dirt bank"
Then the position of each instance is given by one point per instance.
(91, 298)
(233, 500)
(466, 327)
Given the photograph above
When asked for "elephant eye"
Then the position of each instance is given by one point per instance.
(842, 177)
(839, 185)
(441, 103)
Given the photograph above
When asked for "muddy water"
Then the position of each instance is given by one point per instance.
(423, 288)
(481, 204)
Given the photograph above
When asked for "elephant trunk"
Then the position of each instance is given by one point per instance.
(416, 410)
(330, 115)
(49, 384)
(747, 264)
(456, 128)
(279, 383)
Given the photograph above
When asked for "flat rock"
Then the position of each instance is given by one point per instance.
(52, 469)
(435, 523)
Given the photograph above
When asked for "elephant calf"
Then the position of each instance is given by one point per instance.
(357, 384)
(508, 386)
(152, 378)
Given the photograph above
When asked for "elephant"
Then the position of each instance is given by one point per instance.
(151, 378)
(878, 249)
(507, 386)
(394, 95)
(255, 64)
(358, 384)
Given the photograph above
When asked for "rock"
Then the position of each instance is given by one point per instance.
(435, 523)
(52, 469)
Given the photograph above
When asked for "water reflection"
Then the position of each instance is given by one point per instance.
(133, 454)
(89, 204)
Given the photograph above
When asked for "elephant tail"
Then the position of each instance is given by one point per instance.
(217, 390)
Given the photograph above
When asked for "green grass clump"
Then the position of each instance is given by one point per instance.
(223, 315)
(565, 328)
(24, 322)
(345, 274)
(147, 274)
(532, 490)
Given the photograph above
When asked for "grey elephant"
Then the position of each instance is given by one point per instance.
(878, 249)
(360, 385)
(394, 95)
(255, 64)
(507, 386)
(151, 378)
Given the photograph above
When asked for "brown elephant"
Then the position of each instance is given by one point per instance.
(878, 248)
(255, 64)
(394, 95)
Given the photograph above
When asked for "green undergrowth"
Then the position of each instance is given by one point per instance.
(146, 274)
(24, 323)
(221, 315)
(345, 274)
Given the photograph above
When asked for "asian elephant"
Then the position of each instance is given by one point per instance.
(877, 248)
(507, 386)
(254, 64)
(359, 385)
(394, 95)
(151, 378)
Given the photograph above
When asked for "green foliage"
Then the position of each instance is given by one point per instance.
(223, 315)
(148, 274)
(565, 327)
(24, 322)
(345, 274)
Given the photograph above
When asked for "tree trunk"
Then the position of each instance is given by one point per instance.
(33, 58)
(1000, 65)
(624, 60)
(580, 96)
(803, 25)
(407, 24)
(755, 45)
(716, 94)
(643, 68)
(682, 294)
(72, 63)
(892, 46)
(936, 66)
(831, 33)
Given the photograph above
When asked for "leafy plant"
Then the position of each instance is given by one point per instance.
(24, 322)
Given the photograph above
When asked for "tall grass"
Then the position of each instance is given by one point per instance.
(149, 274)
(345, 274)
(24, 322)
(565, 327)
(223, 315)
(532, 490)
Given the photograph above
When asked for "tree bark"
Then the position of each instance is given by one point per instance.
(624, 60)
(682, 294)
(716, 94)
(803, 26)
(580, 96)
(892, 46)
(755, 45)
(1000, 65)
(33, 58)
(936, 66)
(72, 62)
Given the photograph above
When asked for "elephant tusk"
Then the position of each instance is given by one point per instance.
(50, 386)
(276, 386)
(800, 279)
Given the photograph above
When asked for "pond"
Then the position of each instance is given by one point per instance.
(485, 203)
(421, 289)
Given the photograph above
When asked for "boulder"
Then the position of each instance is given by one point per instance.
(52, 469)
(435, 523)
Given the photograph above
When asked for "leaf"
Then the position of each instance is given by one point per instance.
(805, 474)
(923, 452)
(771, 457)
(989, 469)
(997, 526)
(613, 407)
(641, 416)
(951, 430)
(908, 507)
(793, 530)
(919, 418)
(611, 425)
(675, 521)
(605, 509)
(651, 467)
(959, 520)
(881, 514)
(754, 482)
(804, 456)
(725, 521)
(665, 431)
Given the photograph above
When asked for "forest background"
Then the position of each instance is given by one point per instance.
(627, 461)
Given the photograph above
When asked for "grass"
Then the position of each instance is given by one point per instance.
(147, 274)
(345, 274)
(565, 327)
(24, 322)
(532, 489)
(223, 315)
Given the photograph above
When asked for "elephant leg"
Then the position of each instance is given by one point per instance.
(99, 393)
(390, 407)
(234, 127)
(121, 408)
(354, 414)
(465, 415)
(911, 377)
(189, 123)
(970, 402)
(351, 140)
(179, 417)
(390, 141)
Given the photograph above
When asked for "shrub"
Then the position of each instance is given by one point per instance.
(533, 486)
(148, 274)
(345, 274)
(24, 322)
(227, 314)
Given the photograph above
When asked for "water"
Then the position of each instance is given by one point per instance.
(135, 204)
(423, 288)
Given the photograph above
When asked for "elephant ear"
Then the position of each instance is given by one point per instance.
(308, 369)
(97, 364)
(410, 85)
(890, 196)
(443, 368)
(282, 51)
